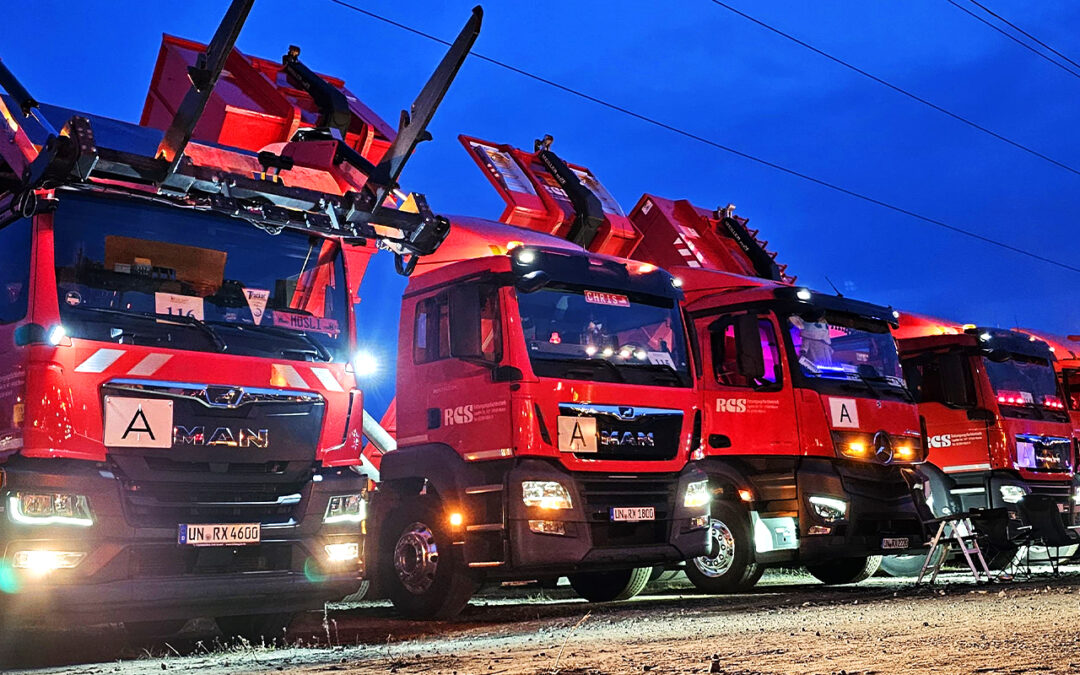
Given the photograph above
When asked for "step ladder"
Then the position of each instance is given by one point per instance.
(956, 529)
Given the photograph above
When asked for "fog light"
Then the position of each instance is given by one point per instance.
(342, 552)
(1012, 494)
(829, 508)
(345, 509)
(746, 495)
(547, 526)
(43, 562)
(697, 494)
(698, 522)
(818, 529)
(456, 519)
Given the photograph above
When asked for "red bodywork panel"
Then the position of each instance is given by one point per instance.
(959, 444)
(253, 105)
(535, 201)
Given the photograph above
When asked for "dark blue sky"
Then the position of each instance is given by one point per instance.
(702, 68)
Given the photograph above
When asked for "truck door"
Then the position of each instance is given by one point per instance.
(15, 242)
(457, 341)
(746, 414)
(943, 385)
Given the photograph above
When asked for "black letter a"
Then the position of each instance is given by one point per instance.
(145, 428)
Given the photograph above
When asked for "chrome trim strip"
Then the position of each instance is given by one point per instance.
(200, 392)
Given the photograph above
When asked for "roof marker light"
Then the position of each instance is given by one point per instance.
(526, 257)
(803, 294)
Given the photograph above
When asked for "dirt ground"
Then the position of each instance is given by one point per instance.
(789, 625)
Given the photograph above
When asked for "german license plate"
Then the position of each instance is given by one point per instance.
(232, 534)
(632, 514)
(894, 543)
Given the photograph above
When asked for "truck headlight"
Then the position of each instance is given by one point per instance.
(345, 509)
(697, 494)
(1012, 494)
(829, 508)
(547, 494)
(49, 508)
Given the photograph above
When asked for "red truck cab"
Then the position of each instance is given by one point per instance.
(995, 420)
(808, 424)
(545, 419)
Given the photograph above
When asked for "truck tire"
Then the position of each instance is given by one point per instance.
(730, 568)
(424, 573)
(256, 628)
(905, 565)
(610, 586)
(845, 570)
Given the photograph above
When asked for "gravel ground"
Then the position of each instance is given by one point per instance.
(789, 625)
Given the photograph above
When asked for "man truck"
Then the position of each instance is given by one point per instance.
(179, 419)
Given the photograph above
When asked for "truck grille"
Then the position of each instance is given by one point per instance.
(603, 493)
(210, 474)
(148, 562)
(630, 433)
(881, 483)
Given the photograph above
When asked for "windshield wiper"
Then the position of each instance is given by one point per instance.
(219, 344)
(658, 368)
(592, 362)
(320, 352)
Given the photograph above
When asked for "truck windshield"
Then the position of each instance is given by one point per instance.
(598, 335)
(839, 347)
(133, 272)
(1022, 381)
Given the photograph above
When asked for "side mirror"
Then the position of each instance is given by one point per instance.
(751, 362)
(465, 339)
(533, 281)
(954, 380)
(981, 415)
(29, 334)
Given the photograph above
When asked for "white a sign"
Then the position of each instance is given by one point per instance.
(577, 434)
(138, 422)
(844, 413)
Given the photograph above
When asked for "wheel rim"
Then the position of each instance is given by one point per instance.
(723, 556)
(416, 557)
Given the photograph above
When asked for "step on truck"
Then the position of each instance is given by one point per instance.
(808, 425)
(545, 411)
(997, 427)
(179, 419)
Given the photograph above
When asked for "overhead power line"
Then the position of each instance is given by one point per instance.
(1015, 39)
(719, 146)
(899, 90)
(1024, 32)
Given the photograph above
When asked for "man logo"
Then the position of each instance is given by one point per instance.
(626, 412)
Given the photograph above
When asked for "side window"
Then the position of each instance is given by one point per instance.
(431, 334)
(927, 378)
(490, 326)
(15, 271)
(726, 357)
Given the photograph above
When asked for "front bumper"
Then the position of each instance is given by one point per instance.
(592, 540)
(984, 490)
(880, 515)
(132, 572)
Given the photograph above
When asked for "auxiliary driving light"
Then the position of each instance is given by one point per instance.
(547, 527)
(342, 552)
(345, 509)
(42, 562)
(456, 519)
(547, 494)
(525, 256)
(697, 494)
(1012, 494)
(829, 508)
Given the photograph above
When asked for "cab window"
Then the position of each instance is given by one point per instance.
(15, 270)
(726, 358)
(431, 329)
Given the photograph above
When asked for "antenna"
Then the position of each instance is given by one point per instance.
(838, 293)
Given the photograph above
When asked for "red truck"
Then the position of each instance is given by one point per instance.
(808, 424)
(545, 413)
(180, 422)
(803, 419)
(997, 425)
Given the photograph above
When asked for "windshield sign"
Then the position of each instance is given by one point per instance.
(138, 273)
(590, 334)
(833, 346)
